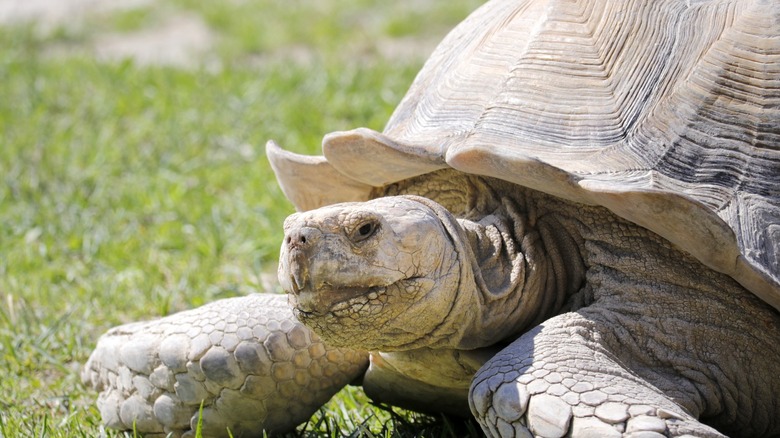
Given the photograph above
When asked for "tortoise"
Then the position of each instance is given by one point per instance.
(569, 226)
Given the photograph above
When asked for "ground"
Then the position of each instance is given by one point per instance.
(134, 183)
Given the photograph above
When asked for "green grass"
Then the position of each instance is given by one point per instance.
(346, 31)
(132, 192)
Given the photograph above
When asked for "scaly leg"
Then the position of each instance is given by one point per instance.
(248, 360)
(559, 380)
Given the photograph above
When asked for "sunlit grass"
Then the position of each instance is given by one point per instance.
(130, 192)
(346, 31)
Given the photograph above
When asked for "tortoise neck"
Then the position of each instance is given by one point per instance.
(527, 264)
(520, 254)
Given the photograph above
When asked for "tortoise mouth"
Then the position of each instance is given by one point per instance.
(308, 304)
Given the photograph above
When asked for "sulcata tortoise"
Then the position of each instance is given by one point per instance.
(569, 226)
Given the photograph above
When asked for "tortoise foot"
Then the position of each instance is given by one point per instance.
(241, 364)
(553, 382)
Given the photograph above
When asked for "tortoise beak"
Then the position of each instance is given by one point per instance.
(298, 271)
(298, 245)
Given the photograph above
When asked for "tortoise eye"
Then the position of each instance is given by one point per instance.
(365, 231)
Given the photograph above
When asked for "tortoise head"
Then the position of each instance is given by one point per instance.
(370, 275)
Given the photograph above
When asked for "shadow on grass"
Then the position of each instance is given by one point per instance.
(400, 426)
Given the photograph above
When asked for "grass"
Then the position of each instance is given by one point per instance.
(130, 192)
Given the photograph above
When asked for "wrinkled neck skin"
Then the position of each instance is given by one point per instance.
(518, 267)
(522, 274)
(519, 261)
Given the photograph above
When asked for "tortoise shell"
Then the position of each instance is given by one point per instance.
(666, 112)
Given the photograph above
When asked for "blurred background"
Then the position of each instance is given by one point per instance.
(134, 180)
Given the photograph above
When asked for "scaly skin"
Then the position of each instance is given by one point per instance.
(565, 319)
(250, 363)
(663, 344)
(637, 337)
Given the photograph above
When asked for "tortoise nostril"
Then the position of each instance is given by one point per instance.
(302, 238)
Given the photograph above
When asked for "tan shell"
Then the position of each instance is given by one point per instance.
(667, 112)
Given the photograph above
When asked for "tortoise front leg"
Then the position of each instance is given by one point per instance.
(559, 379)
(250, 363)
